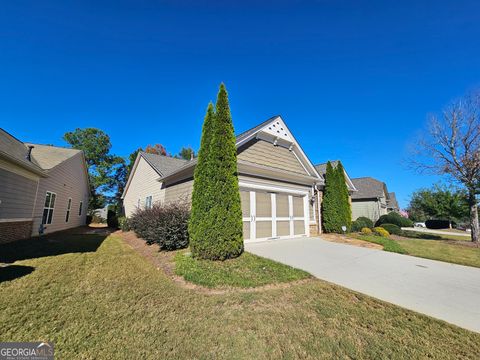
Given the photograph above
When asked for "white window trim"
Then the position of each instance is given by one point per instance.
(148, 204)
(49, 208)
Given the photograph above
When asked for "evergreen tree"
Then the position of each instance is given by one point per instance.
(346, 209)
(201, 203)
(216, 223)
(330, 213)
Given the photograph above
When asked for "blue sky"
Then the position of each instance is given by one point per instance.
(354, 80)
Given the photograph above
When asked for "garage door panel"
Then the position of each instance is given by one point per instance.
(299, 227)
(298, 210)
(263, 229)
(245, 200)
(263, 204)
(246, 230)
(283, 227)
(282, 205)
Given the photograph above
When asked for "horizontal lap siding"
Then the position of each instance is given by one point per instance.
(67, 180)
(17, 195)
(179, 192)
(367, 209)
(143, 183)
(264, 153)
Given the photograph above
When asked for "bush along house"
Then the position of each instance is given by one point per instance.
(280, 189)
(43, 188)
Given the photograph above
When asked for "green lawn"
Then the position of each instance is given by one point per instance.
(97, 298)
(246, 271)
(441, 250)
(426, 236)
(387, 243)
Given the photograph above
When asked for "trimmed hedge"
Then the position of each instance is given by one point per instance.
(392, 229)
(394, 218)
(123, 223)
(165, 225)
(438, 224)
(360, 223)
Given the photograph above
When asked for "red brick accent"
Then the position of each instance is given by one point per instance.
(15, 230)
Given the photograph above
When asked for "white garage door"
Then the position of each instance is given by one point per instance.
(270, 215)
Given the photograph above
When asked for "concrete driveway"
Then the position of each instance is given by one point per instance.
(441, 290)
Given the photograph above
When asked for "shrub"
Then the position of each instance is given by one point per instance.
(392, 229)
(88, 219)
(394, 218)
(112, 220)
(437, 224)
(216, 228)
(165, 225)
(123, 223)
(380, 231)
(366, 231)
(362, 222)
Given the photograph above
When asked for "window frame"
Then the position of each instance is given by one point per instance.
(80, 206)
(148, 202)
(47, 218)
(69, 208)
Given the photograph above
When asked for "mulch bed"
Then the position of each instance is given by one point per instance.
(164, 261)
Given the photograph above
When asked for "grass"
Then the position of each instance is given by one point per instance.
(246, 271)
(387, 243)
(442, 251)
(101, 300)
(419, 235)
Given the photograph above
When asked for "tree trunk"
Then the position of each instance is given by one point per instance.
(472, 201)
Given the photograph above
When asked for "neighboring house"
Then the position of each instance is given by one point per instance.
(101, 212)
(40, 185)
(322, 170)
(280, 188)
(372, 199)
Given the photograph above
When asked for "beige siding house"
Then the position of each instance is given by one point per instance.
(40, 186)
(372, 199)
(280, 188)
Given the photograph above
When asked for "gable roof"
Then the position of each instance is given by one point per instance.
(322, 170)
(48, 157)
(392, 202)
(275, 128)
(163, 164)
(369, 188)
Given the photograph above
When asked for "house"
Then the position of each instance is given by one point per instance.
(40, 186)
(280, 188)
(322, 170)
(372, 199)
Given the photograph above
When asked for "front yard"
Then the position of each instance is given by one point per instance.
(97, 298)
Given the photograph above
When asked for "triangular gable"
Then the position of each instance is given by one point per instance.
(277, 132)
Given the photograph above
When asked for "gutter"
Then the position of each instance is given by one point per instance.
(23, 165)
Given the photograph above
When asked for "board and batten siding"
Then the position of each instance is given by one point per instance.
(143, 183)
(17, 195)
(262, 152)
(66, 180)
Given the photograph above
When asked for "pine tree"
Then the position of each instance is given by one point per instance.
(201, 203)
(218, 235)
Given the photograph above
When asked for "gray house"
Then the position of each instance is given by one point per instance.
(372, 199)
(280, 188)
(40, 186)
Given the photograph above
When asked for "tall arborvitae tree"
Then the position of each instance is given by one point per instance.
(218, 236)
(346, 209)
(330, 211)
(202, 196)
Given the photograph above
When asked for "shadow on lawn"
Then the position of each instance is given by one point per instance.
(12, 272)
(50, 245)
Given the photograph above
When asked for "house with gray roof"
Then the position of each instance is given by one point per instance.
(322, 170)
(42, 187)
(372, 199)
(280, 188)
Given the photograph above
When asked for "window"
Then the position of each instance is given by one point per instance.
(138, 203)
(80, 208)
(148, 202)
(69, 206)
(48, 207)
